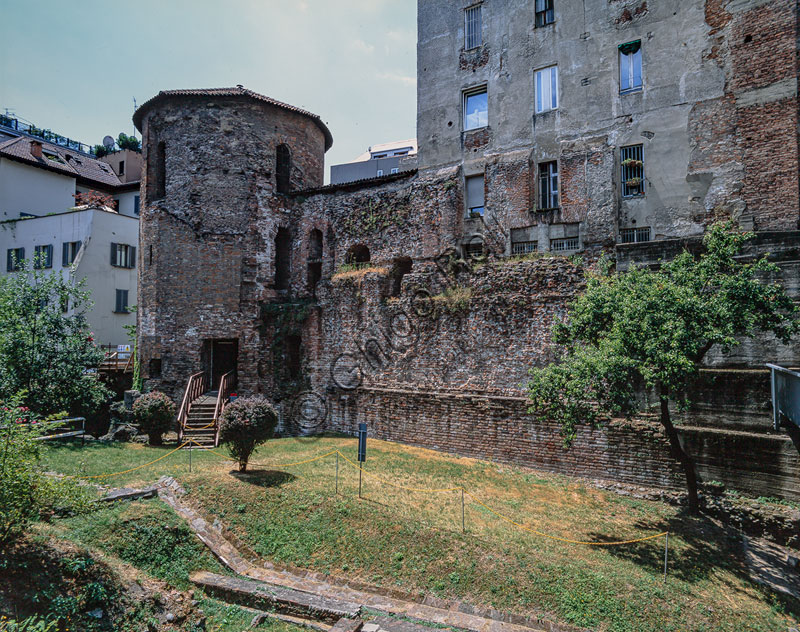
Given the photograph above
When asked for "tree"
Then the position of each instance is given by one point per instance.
(154, 413)
(128, 142)
(246, 423)
(46, 350)
(650, 329)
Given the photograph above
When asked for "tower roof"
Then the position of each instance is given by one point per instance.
(238, 91)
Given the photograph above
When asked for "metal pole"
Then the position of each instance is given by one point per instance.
(463, 524)
(666, 549)
(337, 473)
(190, 458)
(359, 482)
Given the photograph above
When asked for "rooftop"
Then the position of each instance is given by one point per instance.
(389, 149)
(238, 91)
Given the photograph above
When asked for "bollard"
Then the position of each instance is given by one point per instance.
(337, 473)
(463, 524)
(190, 458)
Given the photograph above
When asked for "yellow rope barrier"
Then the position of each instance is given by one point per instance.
(392, 484)
(133, 469)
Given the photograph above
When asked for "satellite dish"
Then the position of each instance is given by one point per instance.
(108, 142)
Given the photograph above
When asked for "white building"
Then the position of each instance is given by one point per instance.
(38, 215)
(379, 160)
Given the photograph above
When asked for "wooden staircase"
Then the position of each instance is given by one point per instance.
(201, 409)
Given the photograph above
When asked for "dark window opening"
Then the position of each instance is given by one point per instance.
(151, 255)
(14, 258)
(283, 169)
(136, 203)
(294, 355)
(544, 12)
(314, 274)
(315, 245)
(123, 256)
(154, 367)
(474, 249)
(43, 256)
(122, 167)
(548, 185)
(121, 306)
(283, 248)
(157, 172)
(357, 254)
(401, 266)
(69, 252)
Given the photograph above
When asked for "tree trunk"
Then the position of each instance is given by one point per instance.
(242, 466)
(679, 453)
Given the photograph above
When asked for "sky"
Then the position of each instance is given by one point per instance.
(75, 66)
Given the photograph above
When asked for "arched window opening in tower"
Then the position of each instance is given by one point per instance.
(314, 259)
(283, 250)
(283, 169)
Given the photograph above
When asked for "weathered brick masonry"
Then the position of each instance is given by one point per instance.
(244, 248)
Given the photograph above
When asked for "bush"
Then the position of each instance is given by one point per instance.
(27, 493)
(245, 424)
(154, 413)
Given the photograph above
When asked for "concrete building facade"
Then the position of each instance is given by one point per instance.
(416, 302)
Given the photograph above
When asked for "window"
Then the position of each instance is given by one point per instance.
(472, 27)
(357, 254)
(476, 109)
(630, 66)
(560, 245)
(122, 167)
(474, 249)
(631, 166)
(69, 252)
(121, 306)
(548, 185)
(394, 170)
(157, 172)
(524, 247)
(294, 355)
(475, 196)
(123, 256)
(283, 253)
(136, 203)
(634, 235)
(544, 12)
(283, 169)
(314, 259)
(379, 172)
(43, 256)
(546, 89)
(14, 258)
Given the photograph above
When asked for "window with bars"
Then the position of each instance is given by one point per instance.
(123, 256)
(14, 258)
(475, 196)
(544, 12)
(634, 235)
(474, 249)
(546, 89)
(524, 247)
(476, 108)
(631, 166)
(548, 185)
(43, 256)
(630, 66)
(69, 252)
(472, 27)
(121, 306)
(562, 245)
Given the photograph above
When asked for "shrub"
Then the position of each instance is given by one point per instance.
(27, 493)
(154, 413)
(245, 424)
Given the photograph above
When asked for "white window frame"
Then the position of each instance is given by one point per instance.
(472, 92)
(473, 27)
(548, 185)
(545, 97)
(467, 197)
(631, 62)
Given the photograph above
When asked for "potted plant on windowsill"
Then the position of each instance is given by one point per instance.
(632, 163)
(633, 183)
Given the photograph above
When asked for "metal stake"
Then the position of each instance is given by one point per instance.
(463, 524)
(337, 473)
(666, 549)
(359, 482)
(190, 458)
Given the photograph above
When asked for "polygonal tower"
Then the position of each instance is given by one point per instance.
(219, 167)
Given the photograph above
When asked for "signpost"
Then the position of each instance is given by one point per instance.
(362, 451)
(785, 396)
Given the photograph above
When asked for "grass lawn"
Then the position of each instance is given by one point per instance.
(414, 540)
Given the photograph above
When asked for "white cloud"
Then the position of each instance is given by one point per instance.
(397, 78)
(362, 47)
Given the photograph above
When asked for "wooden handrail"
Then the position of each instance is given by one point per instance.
(196, 386)
(226, 383)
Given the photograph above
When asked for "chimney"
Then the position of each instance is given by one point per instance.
(36, 149)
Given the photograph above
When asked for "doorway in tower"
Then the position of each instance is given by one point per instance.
(220, 357)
